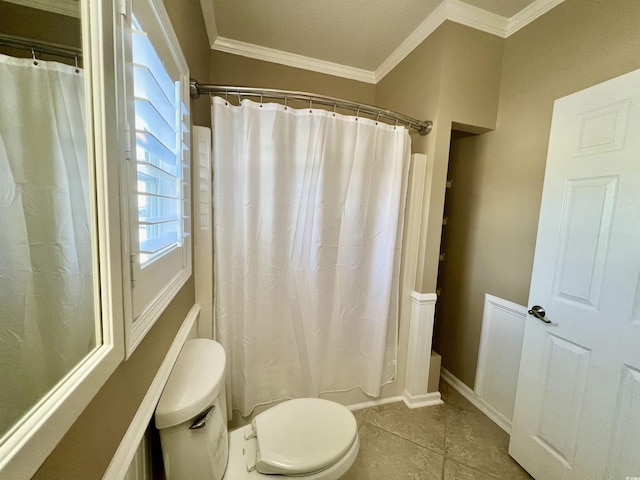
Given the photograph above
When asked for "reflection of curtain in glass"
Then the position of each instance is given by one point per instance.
(308, 225)
(46, 288)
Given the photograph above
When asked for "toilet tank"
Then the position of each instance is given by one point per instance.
(192, 414)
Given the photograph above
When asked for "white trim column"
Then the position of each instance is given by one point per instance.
(419, 354)
(203, 228)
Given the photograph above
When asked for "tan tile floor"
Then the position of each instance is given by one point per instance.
(454, 441)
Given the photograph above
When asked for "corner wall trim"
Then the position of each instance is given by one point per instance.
(478, 402)
(419, 350)
(120, 462)
(425, 400)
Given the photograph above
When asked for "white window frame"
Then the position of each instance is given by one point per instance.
(153, 287)
(44, 426)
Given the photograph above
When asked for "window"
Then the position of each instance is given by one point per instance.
(158, 126)
(158, 165)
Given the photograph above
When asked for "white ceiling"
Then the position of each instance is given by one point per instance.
(358, 39)
(360, 33)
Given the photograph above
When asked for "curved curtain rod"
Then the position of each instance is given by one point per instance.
(40, 46)
(423, 127)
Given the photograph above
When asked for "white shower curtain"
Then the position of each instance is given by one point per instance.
(308, 209)
(47, 322)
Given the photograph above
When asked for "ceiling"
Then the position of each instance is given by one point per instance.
(358, 39)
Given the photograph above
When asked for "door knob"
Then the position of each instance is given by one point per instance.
(539, 312)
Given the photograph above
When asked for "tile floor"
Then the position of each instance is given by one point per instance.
(454, 441)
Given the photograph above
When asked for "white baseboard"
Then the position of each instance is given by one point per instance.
(478, 402)
(140, 467)
(129, 445)
(410, 401)
(425, 400)
(375, 403)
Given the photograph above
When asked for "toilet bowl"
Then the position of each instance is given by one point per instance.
(306, 438)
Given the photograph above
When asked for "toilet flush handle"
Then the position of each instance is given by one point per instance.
(201, 420)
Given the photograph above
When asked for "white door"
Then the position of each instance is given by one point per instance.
(577, 413)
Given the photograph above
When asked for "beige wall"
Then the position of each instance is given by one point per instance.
(229, 69)
(577, 44)
(39, 25)
(86, 450)
(453, 338)
(452, 77)
(186, 18)
(455, 76)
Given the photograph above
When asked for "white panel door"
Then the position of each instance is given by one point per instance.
(577, 413)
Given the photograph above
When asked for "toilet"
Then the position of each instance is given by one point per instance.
(305, 438)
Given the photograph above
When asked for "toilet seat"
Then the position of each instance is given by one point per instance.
(240, 450)
(302, 436)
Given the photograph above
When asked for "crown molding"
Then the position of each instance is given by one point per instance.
(474, 17)
(464, 14)
(70, 8)
(526, 16)
(415, 38)
(258, 52)
(453, 10)
(209, 17)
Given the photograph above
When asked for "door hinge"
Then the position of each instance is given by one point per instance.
(132, 269)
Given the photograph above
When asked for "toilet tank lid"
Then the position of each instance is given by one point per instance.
(195, 380)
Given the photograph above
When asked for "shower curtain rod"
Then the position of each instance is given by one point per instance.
(423, 127)
(40, 46)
